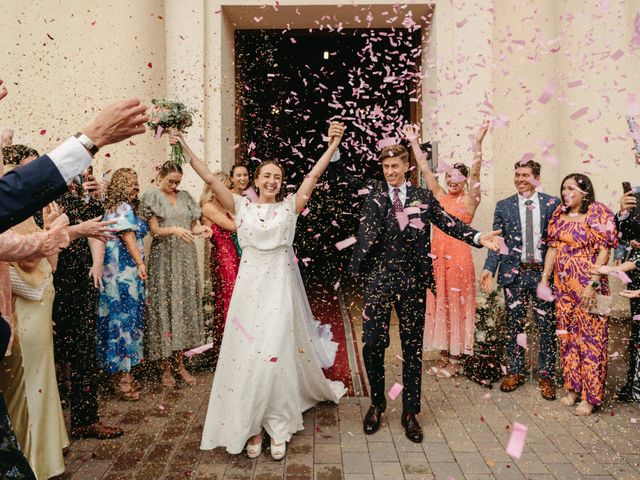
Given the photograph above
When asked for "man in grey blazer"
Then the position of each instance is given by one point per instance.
(523, 219)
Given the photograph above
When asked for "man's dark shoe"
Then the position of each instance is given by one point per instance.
(547, 388)
(511, 382)
(412, 428)
(96, 430)
(371, 422)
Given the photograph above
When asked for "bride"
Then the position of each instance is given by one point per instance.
(273, 352)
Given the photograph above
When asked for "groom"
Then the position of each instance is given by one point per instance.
(392, 257)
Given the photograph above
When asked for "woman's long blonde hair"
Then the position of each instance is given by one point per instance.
(207, 193)
(119, 189)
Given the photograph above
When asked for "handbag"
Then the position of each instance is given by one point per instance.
(23, 289)
(602, 305)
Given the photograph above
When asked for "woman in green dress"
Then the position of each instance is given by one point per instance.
(175, 319)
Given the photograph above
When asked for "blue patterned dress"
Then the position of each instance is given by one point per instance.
(121, 306)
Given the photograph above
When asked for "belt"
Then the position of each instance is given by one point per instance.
(534, 267)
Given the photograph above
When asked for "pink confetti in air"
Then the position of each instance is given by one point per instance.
(617, 54)
(562, 332)
(632, 105)
(526, 157)
(161, 408)
(363, 191)
(504, 369)
(336, 286)
(549, 91)
(515, 446)
(543, 292)
(635, 41)
(387, 142)
(578, 113)
(240, 327)
(198, 350)
(521, 339)
(403, 220)
(395, 391)
(605, 6)
(504, 250)
(347, 242)
(273, 359)
(257, 19)
(574, 84)
(621, 275)
(461, 23)
(635, 318)
(580, 144)
(158, 133)
(400, 358)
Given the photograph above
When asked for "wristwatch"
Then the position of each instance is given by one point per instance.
(87, 143)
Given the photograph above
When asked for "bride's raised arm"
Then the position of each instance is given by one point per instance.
(223, 194)
(336, 130)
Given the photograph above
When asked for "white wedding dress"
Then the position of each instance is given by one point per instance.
(273, 351)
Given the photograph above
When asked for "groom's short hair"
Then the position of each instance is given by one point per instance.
(394, 151)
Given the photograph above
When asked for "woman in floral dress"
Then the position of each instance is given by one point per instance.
(580, 235)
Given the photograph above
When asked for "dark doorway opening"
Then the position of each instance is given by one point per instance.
(290, 84)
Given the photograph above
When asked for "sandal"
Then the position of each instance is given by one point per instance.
(584, 409)
(451, 370)
(125, 389)
(186, 377)
(569, 400)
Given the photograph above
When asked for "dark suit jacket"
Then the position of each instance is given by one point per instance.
(27, 189)
(375, 209)
(507, 219)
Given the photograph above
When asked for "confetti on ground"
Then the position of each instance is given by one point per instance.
(517, 440)
(395, 391)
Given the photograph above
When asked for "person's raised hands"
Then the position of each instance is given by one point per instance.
(411, 132)
(336, 130)
(50, 213)
(118, 122)
(482, 132)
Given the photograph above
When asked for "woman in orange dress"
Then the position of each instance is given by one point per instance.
(580, 235)
(451, 310)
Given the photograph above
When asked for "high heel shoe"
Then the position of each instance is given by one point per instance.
(254, 450)
(278, 451)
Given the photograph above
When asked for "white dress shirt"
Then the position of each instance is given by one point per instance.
(537, 232)
(402, 193)
(71, 158)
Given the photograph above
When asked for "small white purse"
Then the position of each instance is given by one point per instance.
(22, 289)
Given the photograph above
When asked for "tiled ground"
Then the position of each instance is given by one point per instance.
(465, 436)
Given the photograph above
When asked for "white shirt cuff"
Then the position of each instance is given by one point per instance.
(336, 156)
(476, 238)
(71, 158)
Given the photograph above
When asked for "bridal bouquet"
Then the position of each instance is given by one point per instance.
(170, 114)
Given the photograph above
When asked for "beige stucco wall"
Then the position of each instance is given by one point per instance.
(483, 58)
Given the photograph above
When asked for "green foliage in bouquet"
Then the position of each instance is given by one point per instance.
(489, 333)
(170, 114)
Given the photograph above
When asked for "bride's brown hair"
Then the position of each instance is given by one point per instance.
(280, 195)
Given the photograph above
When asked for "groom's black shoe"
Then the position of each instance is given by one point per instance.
(412, 428)
(371, 421)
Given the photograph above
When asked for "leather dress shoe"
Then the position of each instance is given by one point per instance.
(412, 428)
(371, 422)
(96, 430)
(511, 382)
(547, 388)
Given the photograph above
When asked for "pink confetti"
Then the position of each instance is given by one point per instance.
(198, 350)
(395, 391)
(543, 292)
(549, 90)
(580, 144)
(562, 332)
(347, 242)
(461, 23)
(240, 327)
(387, 142)
(273, 359)
(574, 84)
(521, 339)
(578, 113)
(504, 250)
(158, 133)
(621, 275)
(403, 220)
(617, 54)
(517, 440)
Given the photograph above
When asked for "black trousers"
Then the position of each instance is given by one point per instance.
(74, 313)
(403, 288)
(13, 464)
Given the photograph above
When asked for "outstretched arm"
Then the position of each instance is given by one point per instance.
(474, 195)
(223, 194)
(411, 133)
(336, 130)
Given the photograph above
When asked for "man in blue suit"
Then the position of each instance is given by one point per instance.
(27, 189)
(523, 219)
